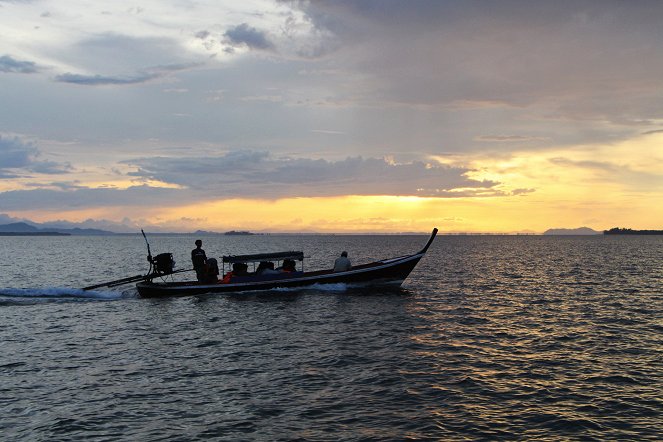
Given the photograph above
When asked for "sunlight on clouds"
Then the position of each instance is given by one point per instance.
(598, 186)
(607, 184)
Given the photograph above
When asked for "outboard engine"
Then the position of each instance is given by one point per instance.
(163, 263)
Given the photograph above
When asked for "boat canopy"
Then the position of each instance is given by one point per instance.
(277, 256)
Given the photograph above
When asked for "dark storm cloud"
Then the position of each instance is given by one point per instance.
(583, 60)
(257, 174)
(246, 35)
(18, 158)
(11, 65)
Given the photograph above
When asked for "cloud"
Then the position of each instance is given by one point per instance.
(11, 65)
(105, 80)
(118, 59)
(101, 80)
(48, 199)
(634, 179)
(257, 174)
(593, 165)
(15, 153)
(508, 138)
(245, 35)
(18, 157)
(202, 35)
(579, 60)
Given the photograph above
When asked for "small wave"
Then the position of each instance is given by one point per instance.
(58, 292)
(614, 379)
(12, 365)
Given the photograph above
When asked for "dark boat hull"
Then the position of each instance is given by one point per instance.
(391, 271)
(378, 273)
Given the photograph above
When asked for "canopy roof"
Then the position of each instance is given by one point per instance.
(277, 256)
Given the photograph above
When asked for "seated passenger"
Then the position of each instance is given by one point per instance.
(288, 266)
(266, 268)
(342, 263)
(212, 271)
(240, 269)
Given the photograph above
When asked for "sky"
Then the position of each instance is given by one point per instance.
(332, 116)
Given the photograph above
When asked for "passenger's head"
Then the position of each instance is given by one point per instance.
(212, 266)
(199, 243)
(288, 264)
(344, 253)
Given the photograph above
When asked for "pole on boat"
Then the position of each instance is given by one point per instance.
(131, 279)
(148, 277)
(149, 254)
(116, 282)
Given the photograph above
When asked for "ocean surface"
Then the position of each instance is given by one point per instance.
(490, 338)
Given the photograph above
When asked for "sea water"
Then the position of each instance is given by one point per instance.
(491, 337)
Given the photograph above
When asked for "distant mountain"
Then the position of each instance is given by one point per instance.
(79, 231)
(18, 227)
(26, 228)
(578, 231)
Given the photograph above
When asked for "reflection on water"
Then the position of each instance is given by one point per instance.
(490, 338)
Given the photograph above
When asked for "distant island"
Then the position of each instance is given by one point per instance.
(578, 231)
(34, 234)
(30, 228)
(623, 231)
(25, 229)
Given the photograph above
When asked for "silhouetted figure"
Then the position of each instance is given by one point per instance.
(199, 259)
(342, 263)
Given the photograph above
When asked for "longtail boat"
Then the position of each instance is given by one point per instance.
(392, 271)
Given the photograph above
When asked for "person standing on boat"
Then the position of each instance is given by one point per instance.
(342, 263)
(199, 260)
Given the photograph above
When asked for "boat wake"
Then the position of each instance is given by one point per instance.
(15, 295)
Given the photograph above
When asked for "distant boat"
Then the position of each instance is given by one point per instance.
(238, 232)
(391, 271)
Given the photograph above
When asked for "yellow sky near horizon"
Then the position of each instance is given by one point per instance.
(598, 186)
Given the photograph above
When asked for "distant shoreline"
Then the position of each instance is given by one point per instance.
(34, 234)
(618, 231)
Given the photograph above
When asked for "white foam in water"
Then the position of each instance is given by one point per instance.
(58, 292)
(338, 287)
